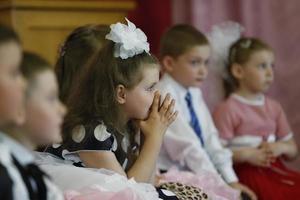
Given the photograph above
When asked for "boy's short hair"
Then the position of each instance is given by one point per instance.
(7, 34)
(31, 65)
(180, 38)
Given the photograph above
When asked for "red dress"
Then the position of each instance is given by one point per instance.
(274, 183)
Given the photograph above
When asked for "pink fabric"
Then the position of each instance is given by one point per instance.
(276, 22)
(210, 183)
(236, 118)
(96, 193)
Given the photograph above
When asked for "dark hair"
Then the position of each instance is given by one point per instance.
(95, 97)
(180, 38)
(7, 34)
(80, 46)
(240, 53)
(31, 65)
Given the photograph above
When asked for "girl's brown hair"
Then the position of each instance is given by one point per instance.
(95, 97)
(240, 53)
(179, 39)
(79, 47)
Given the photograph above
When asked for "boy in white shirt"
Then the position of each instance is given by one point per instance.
(191, 142)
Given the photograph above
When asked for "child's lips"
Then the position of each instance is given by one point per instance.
(268, 82)
(199, 79)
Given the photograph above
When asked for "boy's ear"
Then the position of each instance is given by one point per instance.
(237, 71)
(168, 63)
(121, 94)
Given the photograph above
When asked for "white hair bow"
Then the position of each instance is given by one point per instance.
(130, 41)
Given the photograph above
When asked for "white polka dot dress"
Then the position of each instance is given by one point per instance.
(96, 137)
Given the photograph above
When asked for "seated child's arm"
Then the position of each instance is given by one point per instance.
(261, 157)
(101, 159)
(142, 170)
(266, 153)
(288, 149)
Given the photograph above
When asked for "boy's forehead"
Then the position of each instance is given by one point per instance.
(198, 51)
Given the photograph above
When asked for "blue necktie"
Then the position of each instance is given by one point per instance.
(194, 120)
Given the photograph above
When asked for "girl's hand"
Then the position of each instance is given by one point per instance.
(276, 148)
(261, 156)
(160, 117)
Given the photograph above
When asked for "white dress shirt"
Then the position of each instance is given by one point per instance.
(9, 148)
(182, 147)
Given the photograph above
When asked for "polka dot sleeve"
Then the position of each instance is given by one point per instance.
(92, 138)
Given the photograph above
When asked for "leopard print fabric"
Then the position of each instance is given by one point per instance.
(185, 192)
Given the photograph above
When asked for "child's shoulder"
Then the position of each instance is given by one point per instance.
(271, 101)
(227, 105)
(10, 147)
(98, 131)
(6, 165)
(273, 104)
(5, 155)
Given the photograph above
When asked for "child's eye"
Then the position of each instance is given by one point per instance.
(15, 73)
(206, 62)
(52, 98)
(195, 62)
(151, 88)
(263, 66)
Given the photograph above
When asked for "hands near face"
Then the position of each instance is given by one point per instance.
(160, 117)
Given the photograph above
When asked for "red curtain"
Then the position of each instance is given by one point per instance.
(153, 17)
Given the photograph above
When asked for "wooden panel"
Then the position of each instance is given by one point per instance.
(44, 24)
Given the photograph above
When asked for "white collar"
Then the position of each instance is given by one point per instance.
(182, 91)
(260, 101)
(22, 154)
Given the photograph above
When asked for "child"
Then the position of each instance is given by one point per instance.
(44, 111)
(12, 87)
(43, 117)
(115, 99)
(254, 126)
(20, 177)
(78, 49)
(191, 143)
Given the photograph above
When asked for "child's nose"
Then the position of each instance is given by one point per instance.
(23, 83)
(63, 109)
(270, 71)
(203, 70)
